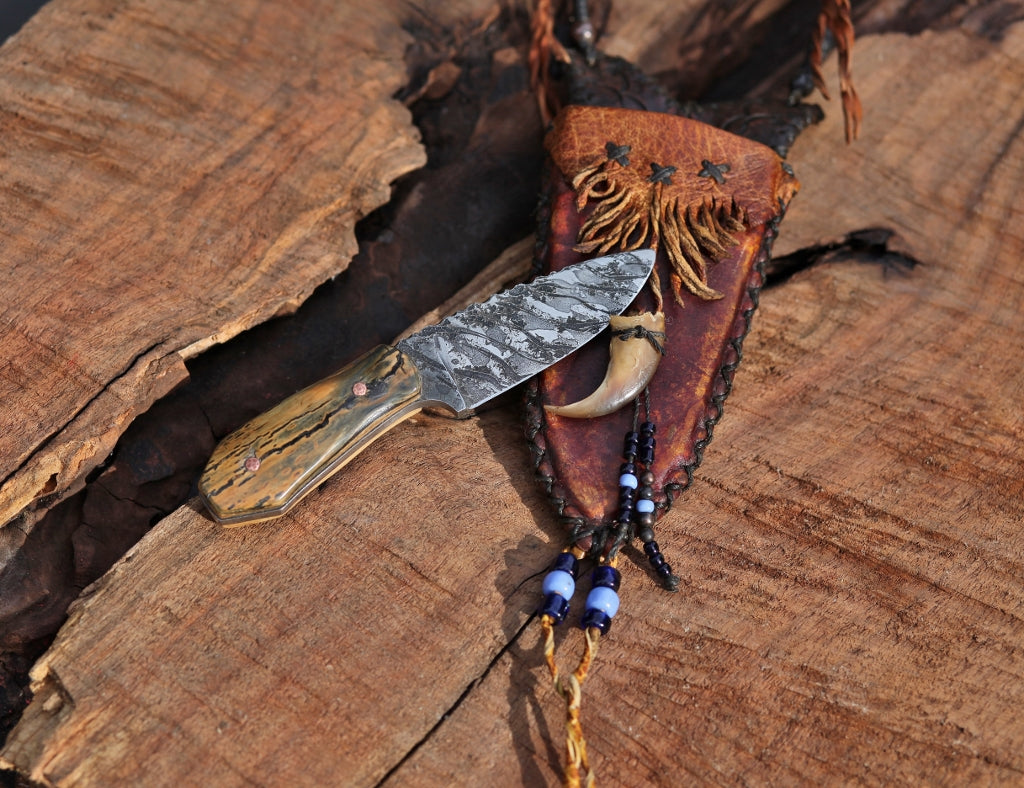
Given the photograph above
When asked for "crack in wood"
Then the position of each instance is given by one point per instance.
(868, 245)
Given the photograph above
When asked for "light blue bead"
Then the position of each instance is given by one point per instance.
(561, 583)
(627, 480)
(604, 599)
(645, 505)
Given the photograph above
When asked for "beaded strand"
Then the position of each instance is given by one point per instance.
(645, 507)
(559, 586)
(635, 517)
(603, 600)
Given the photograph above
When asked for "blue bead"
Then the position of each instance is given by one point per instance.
(567, 562)
(561, 583)
(607, 577)
(603, 599)
(645, 505)
(595, 618)
(628, 480)
(555, 606)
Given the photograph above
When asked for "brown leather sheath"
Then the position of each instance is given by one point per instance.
(711, 202)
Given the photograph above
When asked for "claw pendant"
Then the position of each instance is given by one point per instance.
(636, 349)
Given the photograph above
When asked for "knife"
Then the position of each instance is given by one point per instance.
(265, 467)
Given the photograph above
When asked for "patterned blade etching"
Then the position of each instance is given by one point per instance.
(488, 348)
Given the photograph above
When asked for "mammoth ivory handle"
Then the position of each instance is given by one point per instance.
(269, 464)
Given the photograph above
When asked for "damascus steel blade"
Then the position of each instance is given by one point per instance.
(488, 348)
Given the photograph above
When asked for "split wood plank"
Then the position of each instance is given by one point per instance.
(850, 551)
(172, 173)
(314, 650)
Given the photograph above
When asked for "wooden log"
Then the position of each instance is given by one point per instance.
(400, 271)
(851, 550)
(172, 175)
(851, 561)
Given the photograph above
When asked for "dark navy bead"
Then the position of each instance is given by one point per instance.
(646, 456)
(567, 562)
(625, 516)
(648, 427)
(651, 548)
(632, 437)
(628, 467)
(606, 576)
(665, 570)
(657, 561)
(626, 495)
(597, 619)
(555, 606)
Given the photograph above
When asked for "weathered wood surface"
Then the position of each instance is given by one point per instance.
(151, 206)
(410, 259)
(850, 550)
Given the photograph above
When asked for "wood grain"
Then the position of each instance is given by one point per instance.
(172, 174)
(851, 551)
(289, 688)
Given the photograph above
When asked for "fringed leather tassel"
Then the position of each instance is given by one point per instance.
(836, 18)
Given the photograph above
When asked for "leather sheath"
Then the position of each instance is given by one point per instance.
(578, 460)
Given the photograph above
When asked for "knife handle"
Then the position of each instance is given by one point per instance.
(266, 466)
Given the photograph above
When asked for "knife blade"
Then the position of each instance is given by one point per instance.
(265, 467)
